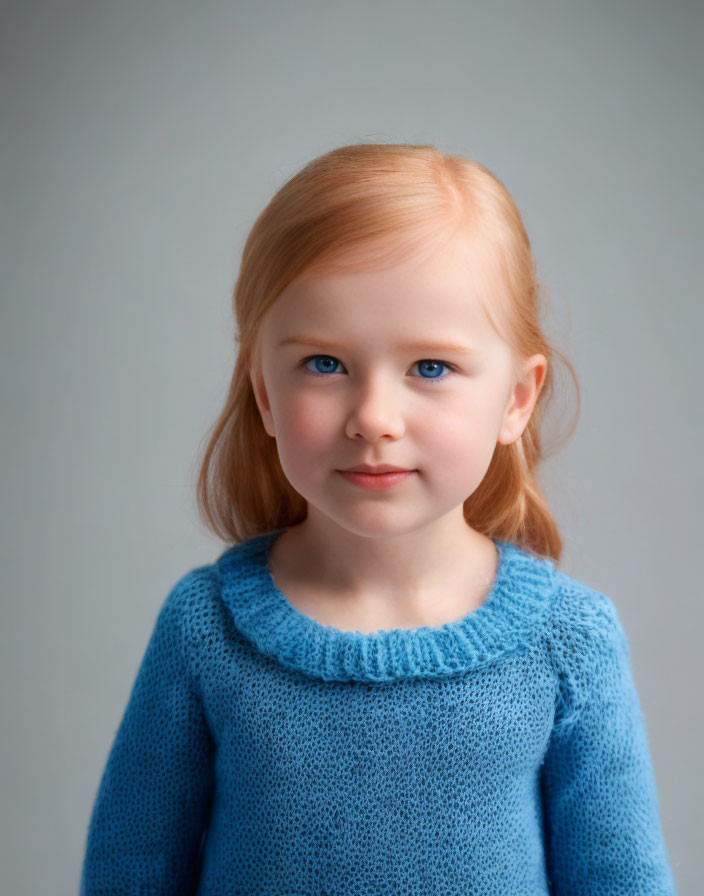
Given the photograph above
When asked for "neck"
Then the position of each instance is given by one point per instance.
(403, 568)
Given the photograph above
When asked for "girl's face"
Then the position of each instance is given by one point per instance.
(398, 366)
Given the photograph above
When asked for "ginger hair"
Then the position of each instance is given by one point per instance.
(355, 205)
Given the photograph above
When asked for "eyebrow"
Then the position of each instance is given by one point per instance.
(419, 346)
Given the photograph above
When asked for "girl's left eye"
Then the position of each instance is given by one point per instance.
(436, 365)
(427, 363)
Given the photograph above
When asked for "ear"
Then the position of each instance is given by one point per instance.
(262, 399)
(523, 399)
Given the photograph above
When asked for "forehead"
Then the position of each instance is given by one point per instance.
(444, 290)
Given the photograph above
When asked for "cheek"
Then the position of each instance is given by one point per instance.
(461, 434)
(303, 426)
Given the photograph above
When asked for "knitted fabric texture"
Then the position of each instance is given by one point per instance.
(262, 752)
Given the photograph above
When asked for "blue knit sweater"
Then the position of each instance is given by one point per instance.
(262, 752)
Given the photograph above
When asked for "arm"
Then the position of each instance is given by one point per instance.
(152, 805)
(602, 825)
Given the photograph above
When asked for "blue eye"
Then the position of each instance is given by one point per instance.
(326, 359)
(326, 363)
(435, 366)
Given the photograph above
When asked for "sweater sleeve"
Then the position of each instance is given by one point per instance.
(150, 815)
(602, 826)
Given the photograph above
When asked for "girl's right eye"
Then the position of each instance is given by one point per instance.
(327, 364)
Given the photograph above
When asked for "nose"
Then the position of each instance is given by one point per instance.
(375, 413)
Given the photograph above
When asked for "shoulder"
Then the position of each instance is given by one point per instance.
(574, 617)
(192, 607)
(197, 586)
(205, 597)
(582, 617)
(587, 643)
(213, 603)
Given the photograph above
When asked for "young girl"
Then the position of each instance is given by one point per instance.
(384, 685)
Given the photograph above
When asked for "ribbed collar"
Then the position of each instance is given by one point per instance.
(510, 617)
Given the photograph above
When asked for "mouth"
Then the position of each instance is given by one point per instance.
(376, 471)
(376, 481)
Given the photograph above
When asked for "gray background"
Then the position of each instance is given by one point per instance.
(139, 141)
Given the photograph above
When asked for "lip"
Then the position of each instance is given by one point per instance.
(376, 481)
(376, 471)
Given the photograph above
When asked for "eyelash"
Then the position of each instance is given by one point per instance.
(433, 379)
